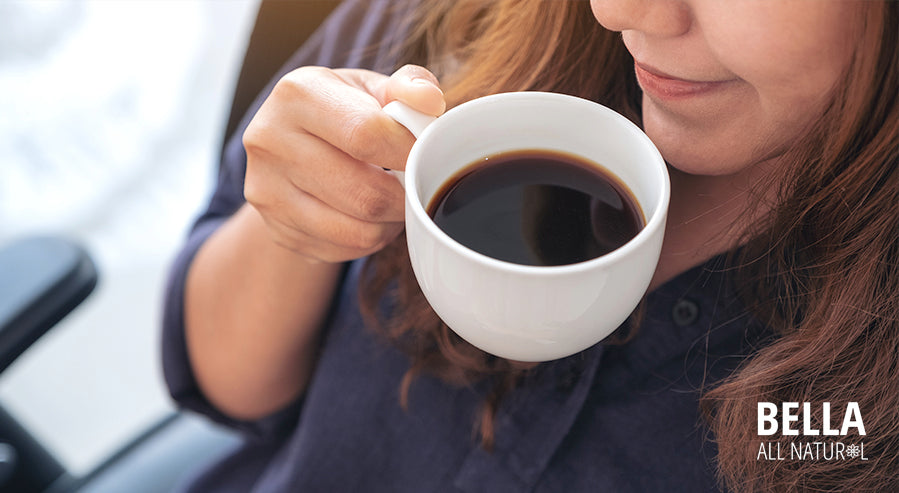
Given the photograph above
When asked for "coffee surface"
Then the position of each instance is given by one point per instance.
(537, 207)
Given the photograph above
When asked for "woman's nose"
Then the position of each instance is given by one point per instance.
(660, 18)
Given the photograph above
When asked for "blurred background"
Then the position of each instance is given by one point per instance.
(111, 115)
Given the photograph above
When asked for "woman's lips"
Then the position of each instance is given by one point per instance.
(665, 86)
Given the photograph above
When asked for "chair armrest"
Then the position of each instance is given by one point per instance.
(42, 279)
(165, 456)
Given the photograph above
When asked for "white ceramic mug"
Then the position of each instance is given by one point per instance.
(520, 312)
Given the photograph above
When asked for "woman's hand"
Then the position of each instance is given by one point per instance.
(315, 183)
(316, 157)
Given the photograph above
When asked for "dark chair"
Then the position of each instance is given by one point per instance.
(43, 278)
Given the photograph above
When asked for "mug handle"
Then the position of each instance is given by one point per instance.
(414, 121)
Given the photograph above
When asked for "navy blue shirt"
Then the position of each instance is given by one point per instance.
(616, 417)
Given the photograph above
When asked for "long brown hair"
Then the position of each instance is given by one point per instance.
(822, 270)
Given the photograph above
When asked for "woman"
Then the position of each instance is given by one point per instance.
(776, 283)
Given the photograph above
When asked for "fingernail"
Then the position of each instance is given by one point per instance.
(423, 82)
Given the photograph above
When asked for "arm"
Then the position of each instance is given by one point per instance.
(258, 290)
(252, 313)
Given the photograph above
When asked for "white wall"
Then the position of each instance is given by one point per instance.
(110, 120)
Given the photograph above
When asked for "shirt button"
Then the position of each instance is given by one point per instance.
(685, 312)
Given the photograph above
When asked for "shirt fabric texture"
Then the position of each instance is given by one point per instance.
(615, 417)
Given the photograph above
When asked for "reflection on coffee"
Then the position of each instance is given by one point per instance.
(537, 207)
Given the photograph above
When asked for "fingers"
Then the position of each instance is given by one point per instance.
(350, 119)
(418, 88)
(411, 84)
(343, 107)
(316, 153)
(300, 222)
(353, 187)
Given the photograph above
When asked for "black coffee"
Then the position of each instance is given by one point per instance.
(536, 207)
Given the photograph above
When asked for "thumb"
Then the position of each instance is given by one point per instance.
(418, 88)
